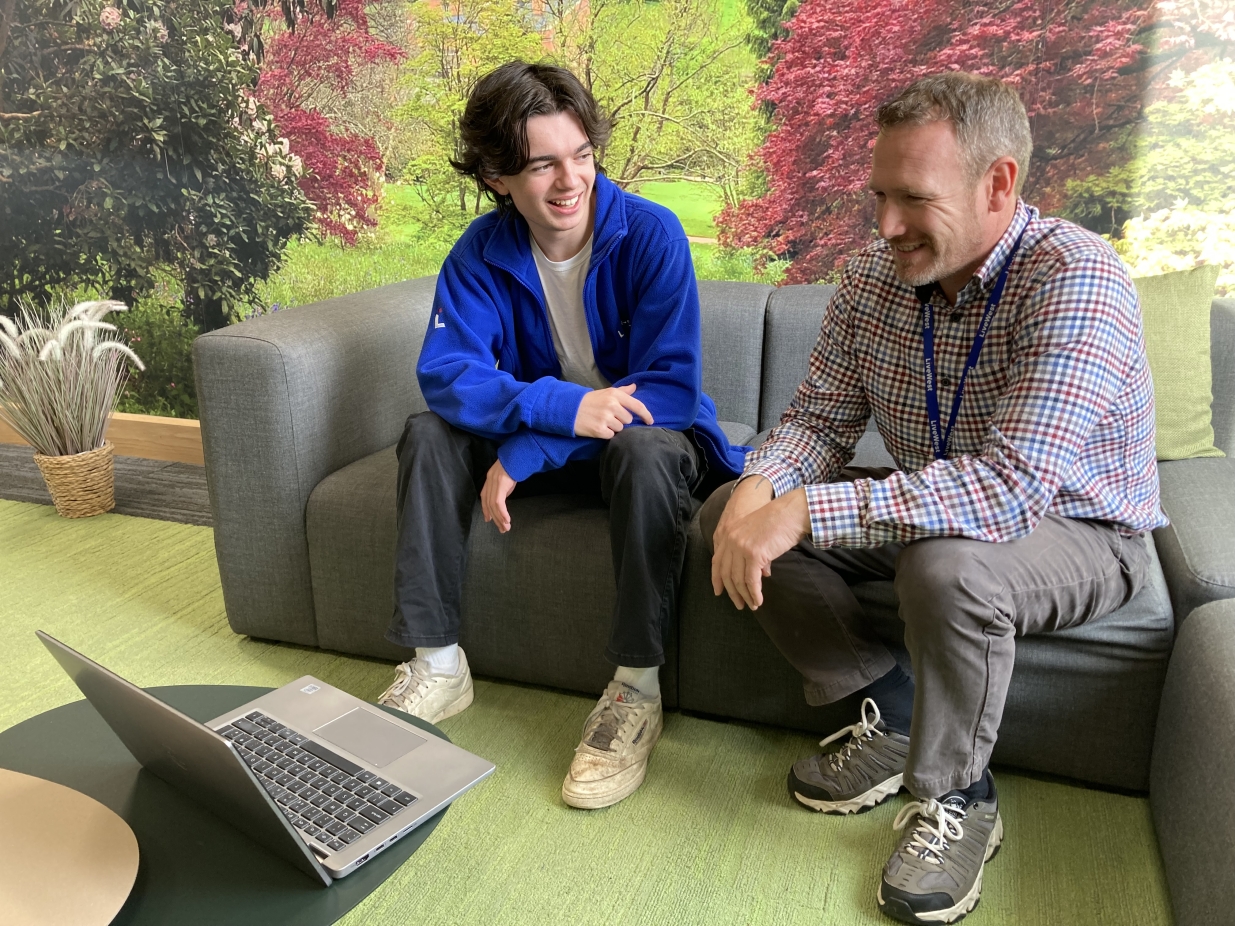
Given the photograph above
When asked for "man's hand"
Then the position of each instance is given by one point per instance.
(498, 486)
(753, 531)
(604, 412)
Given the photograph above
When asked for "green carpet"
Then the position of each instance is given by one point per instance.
(710, 839)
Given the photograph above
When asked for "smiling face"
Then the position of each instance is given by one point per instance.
(553, 192)
(939, 223)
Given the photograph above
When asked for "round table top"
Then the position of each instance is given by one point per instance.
(194, 870)
(65, 859)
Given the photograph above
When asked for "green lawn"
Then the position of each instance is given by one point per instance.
(695, 204)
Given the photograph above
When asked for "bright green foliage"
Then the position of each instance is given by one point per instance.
(453, 44)
(163, 338)
(128, 147)
(675, 76)
(1172, 204)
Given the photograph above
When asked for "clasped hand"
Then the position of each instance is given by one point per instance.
(602, 413)
(754, 530)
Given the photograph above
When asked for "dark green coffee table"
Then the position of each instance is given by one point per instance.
(195, 869)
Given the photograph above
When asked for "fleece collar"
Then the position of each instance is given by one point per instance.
(510, 245)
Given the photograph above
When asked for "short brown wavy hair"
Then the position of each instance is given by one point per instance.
(492, 139)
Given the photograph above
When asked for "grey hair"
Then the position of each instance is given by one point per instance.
(987, 115)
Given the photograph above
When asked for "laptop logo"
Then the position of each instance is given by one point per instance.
(309, 689)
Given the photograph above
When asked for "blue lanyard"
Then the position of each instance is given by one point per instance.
(939, 441)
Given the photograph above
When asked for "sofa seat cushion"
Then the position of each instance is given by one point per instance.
(1198, 546)
(739, 434)
(1082, 702)
(537, 601)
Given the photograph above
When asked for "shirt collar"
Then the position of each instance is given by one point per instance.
(995, 260)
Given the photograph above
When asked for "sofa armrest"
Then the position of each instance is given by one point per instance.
(286, 400)
(1197, 548)
(1190, 788)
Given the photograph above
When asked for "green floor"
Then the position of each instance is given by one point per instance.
(710, 839)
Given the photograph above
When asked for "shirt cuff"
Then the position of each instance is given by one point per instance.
(836, 510)
(784, 478)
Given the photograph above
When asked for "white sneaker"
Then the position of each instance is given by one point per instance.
(612, 759)
(430, 697)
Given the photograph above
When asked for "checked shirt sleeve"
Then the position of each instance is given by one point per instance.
(1071, 344)
(818, 432)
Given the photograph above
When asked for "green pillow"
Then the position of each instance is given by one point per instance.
(1175, 307)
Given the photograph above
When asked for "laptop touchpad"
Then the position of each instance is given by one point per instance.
(379, 742)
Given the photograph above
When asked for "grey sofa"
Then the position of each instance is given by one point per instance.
(300, 411)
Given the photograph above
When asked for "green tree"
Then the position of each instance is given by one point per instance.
(1172, 205)
(675, 79)
(452, 44)
(129, 147)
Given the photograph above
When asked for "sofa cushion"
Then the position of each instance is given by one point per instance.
(790, 332)
(537, 601)
(1198, 546)
(731, 316)
(1222, 360)
(1176, 309)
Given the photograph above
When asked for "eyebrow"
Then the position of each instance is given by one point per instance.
(911, 191)
(549, 157)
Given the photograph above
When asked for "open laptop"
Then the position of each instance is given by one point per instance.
(320, 778)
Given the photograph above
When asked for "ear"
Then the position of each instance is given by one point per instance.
(1001, 183)
(497, 186)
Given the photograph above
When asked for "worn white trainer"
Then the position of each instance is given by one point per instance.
(430, 697)
(612, 758)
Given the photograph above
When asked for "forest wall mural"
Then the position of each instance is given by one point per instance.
(209, 160)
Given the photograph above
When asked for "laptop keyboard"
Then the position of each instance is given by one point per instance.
(328, 799)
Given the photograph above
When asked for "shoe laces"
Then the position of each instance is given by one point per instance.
(864, 729)
(604, 725)
(411, 677)
(939, 825)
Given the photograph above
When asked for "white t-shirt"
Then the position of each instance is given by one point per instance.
(563, 285)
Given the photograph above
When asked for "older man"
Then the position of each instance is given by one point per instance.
(1002, 357)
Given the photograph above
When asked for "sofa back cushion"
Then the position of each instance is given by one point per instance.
(733, 326)
(1222, 361)
(791, 330)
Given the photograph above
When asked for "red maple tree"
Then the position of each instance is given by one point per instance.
(1081, 67)
(319, 60)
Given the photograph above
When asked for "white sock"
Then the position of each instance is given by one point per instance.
(645, 681)
(441, 660)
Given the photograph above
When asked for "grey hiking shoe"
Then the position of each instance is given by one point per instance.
(935, 874)
(863, 772)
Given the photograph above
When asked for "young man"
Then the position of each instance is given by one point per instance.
(563, 354)
(1002, 357)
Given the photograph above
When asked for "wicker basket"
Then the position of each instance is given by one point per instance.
(83, 484)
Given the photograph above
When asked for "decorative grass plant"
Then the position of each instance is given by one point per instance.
(60, 374)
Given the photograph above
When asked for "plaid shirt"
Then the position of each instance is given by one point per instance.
(1057, 417)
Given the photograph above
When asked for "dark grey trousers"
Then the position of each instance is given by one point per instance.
(963, 603)
(645, 475)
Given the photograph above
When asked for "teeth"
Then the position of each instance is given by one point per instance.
(565, 203)
(907, 247)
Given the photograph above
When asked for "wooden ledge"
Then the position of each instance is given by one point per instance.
(151, 436)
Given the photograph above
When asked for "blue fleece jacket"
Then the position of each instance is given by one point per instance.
(489, 366)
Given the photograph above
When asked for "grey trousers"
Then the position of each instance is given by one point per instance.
(963, 603)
